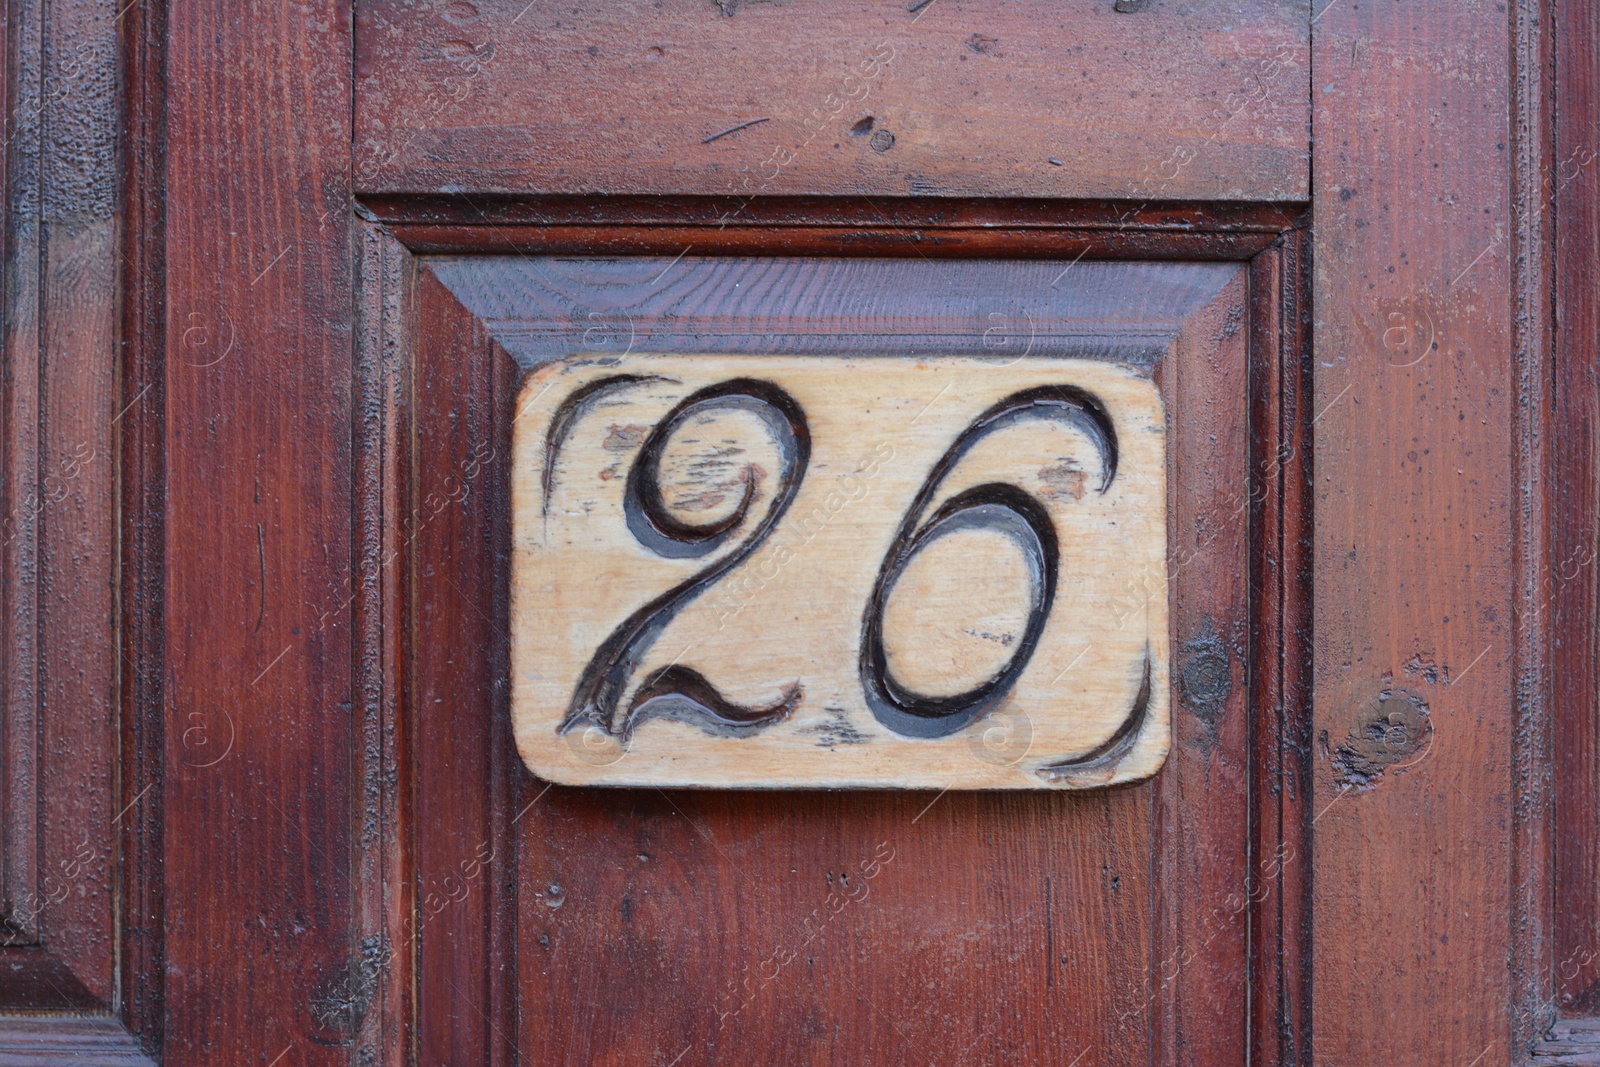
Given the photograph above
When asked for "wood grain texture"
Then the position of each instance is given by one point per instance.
(949, 99)
(1570, 1043)
(1199, 1008)
(1572, 586)
(79, 407)
(19, 865)
(383, 975)
(88, 1041)
(643, 925)
(1281, 811)
(1415, 390)
(836, 571)
(315, 598)
(1534, 834)
(460, 762)
(142, 556)
(259, 830)
(881, 227)
(543, 307)
(59, 810)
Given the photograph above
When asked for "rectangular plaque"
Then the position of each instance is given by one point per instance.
(796, 571)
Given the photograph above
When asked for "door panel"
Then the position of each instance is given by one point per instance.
(644, 924)
(1088, 100)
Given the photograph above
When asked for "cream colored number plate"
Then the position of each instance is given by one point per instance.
(823, 571)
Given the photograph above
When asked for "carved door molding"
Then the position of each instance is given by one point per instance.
(449, 342)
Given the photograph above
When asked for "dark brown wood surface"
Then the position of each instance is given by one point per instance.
(142, 496)
(948, 98)
(1572, 591)
(59, 809)
(1281, 648)
(835, 226)
(248, 431)
(259, 905)
(1417, 503)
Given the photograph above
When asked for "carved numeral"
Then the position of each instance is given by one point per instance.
(995, 506)
(861, 607)
(675, 691)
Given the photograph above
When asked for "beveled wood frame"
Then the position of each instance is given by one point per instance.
(1271, 239)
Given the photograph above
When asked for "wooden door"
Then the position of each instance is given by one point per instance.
(263, 799)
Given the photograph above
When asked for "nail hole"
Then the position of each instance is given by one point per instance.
(862, 128)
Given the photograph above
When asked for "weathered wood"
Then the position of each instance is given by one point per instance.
(142, 562)
(695, 938)
(384, 976)
(1570, 1043)
(1280, 878)
(1414, 624)
(322, 587)
(1571, 591)
(84, 1041)
(782, 572)
(258, 799)
(926, 227)
(21, 895)
(539, 308)
(59, 811)
(1532, 226)
(1027, 99)
(459, 755)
